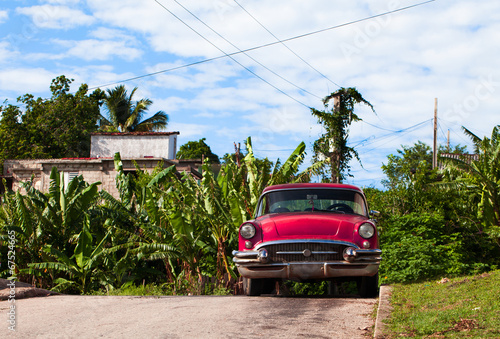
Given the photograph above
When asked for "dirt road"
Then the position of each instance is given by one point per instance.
(65, 316)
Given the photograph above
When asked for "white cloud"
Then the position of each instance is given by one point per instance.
(189, 131)
(205, 75)
(62, 2)
(4, 15)
(25, 80)
(56, 17)
(105, 33)
(93, 49)
(6, 53)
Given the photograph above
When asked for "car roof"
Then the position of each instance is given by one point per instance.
(312, 185)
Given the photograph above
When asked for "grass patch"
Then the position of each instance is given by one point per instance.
(161, 290)
(141, 290)
(465, 307)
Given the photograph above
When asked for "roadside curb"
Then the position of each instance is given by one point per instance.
(383, 312)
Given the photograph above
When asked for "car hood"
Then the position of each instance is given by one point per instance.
(312, 225)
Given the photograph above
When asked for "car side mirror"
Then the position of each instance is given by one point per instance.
(373, 215)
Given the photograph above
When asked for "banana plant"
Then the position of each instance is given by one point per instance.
(481, 176)
(42, 219)
(82, 268)
(167, 212)
(225, 208)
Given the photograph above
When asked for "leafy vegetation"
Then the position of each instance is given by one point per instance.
(432, 220)
(332, 145)
(126, 115)
(481, 178)
(163, 230)
(197, 150)
(57, 127)
(175, 234)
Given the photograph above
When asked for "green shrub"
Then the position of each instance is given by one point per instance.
(421, 246)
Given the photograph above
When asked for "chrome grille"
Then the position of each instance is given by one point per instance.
(288, 252)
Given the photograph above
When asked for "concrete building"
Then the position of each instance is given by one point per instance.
(146, 149)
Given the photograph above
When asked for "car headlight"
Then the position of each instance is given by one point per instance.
(366, 231)
(247, 231)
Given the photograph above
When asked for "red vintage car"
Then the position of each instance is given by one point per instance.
(309, 232)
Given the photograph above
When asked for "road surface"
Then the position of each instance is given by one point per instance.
(64, 316)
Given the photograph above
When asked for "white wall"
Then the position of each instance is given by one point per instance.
(134, 145)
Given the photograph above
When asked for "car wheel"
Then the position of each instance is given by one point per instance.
(268, 286)
(255, 287)
(252, 287)
(368, 286)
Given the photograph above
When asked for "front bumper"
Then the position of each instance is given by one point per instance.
(307, 259)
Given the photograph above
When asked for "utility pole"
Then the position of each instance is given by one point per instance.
(237, 150)
(434, 149)
(334, 153)
(448, 143)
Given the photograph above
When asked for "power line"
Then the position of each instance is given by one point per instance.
(249, 56)
(285, 45)
(382, 128)
(402, 131)
(230, 56)
(394, 133)
(460, 136)
(264, 45)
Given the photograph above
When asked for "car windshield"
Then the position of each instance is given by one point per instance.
(312, 200)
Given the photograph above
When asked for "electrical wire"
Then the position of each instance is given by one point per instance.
(286, 46)
(262, 46)
(230, 56)
(395, 133)
(382, 128)
(249, 56)
(459, 135)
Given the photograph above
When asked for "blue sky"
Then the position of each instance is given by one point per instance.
(399, 62)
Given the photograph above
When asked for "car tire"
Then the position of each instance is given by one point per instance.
(368, 286)
(256, 287)
(268, 286)
(252, 287)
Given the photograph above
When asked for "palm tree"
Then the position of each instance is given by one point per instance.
(125, 115)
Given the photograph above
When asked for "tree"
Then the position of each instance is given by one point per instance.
(336, 120)
(61, 126)
(13, 135)
(197, 150)
(482, 178)
(51, 128)
(125, 115)
(410, 178)
(401, 168)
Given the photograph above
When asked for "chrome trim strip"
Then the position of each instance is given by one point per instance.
(369, 251)
(312, 241)
(245, 254)
(343, 263)
(312, 252)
